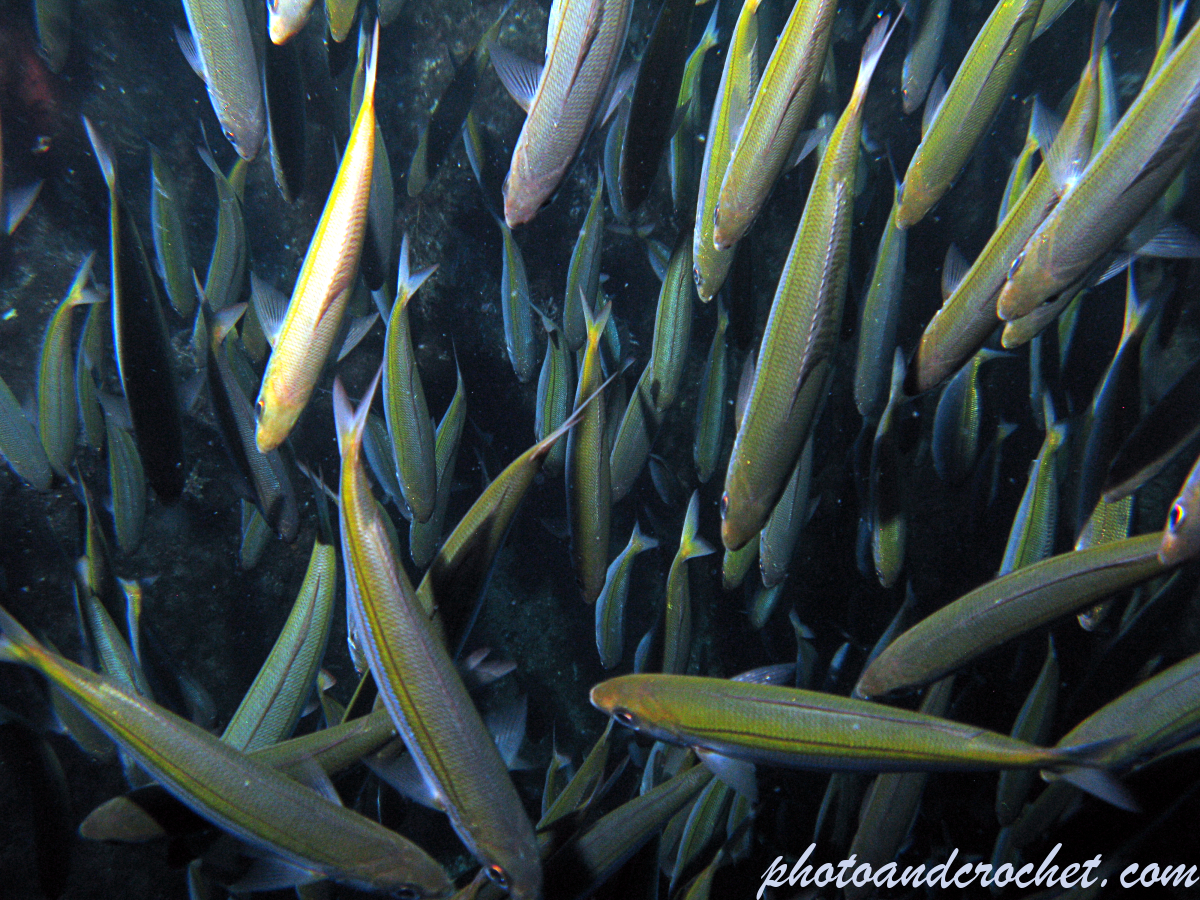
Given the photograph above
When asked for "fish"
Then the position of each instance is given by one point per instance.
(654, 99)
(1146, 151)
(885, 500)
(968, 314)
(957, 419)
(777, 541)
(584, 39)
(796, 355)
(424, 538)
(781, 101)
(677, 638)
(340, 16)
(1007, 607)
(1181, 533)
(277, 814)
(287, 121)
(58, 415)
(583, 272)
(735, 93)
(924, 51)
(1033, 724)
(171, 255)
(418, 683)
(142, 342)
(287, 18)
(408, 421)
(516, 309)
(711, 405)
(450, 109)
(127, 482)
(880, 317)
(798, 728)
(314, 313)
(555, 392)
(226, 276)
(966, 112)
(219, 48)
(681, 159)
(588, 472)
(610, 605)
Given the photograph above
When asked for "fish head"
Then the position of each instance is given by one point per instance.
(1181, 536)
(1028, 286)
(633, 702)
(285, 19)
(742, 517)
(275, 418)
(521, 876)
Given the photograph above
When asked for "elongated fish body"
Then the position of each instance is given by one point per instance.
(250, 800)
(920, 63)
(404, 404)
(283, 86)
(956, 422)
(222, 53)
(968, 315)
(1034, 723)
(1009, 606)
(19, 444)
(781, 102)
(891, 804)
(777, 541)
(1155, 717)
(142, 342)
(314, 314)
(807, 729)
(516, 309)
(555, 392)
(419, 685)
(588, 473)
(735, 92)
(1147, 150)
(1031, 537)
(584, 39)
(979, 86)
(583, 272)
(682, 157)
(654, 99)
(796, 355)
(170, 236)
(265, 476)
(58, 415)
(425, 537)
(610, 607)
(677, 636)
(710, 407)
(880, 317)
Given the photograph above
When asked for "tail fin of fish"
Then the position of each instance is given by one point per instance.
(1082, 768)
(691, 544)
(352, 421)
(108, 168)
(408, 281)
(15, 641)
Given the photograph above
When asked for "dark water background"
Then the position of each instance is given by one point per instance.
(217, 622)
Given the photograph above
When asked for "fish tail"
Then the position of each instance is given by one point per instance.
(596, 322)
(77, 293)
(712, 34)
(368, 101)
(351, 421)
(104, 157)
(1081, 766)
(690, 544)
(17, 645)
(546, 444)
(642, 541)
(1100, 32)
(408, 281)
(872, 51)
(224, 322)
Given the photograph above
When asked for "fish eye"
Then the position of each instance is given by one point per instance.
(260, 409)
(408, 892)
(625, 717)
(724, 504)
(1016, 264)
(498, 876)
(1176, 518)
